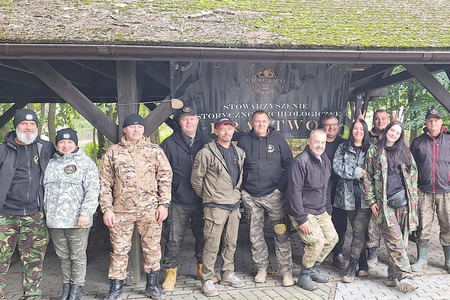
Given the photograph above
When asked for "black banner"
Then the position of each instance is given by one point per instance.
(294, 95)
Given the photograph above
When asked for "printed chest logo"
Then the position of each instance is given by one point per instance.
(70, 169)
(196, 164)
(36, 159)
(270, 148)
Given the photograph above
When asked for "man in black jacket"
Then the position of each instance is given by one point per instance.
(266, 165)
(186, 207)
(309, 207)
(23, 159)
(431, 151)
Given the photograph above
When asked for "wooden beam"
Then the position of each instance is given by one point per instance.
(74, 97)
(369, 72)
(170, 122)
(157, 75)
(9, 114)
(431, 84)
(158, 116)
(127, 94)
(394, 79)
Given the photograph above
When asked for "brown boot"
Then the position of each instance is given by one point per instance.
(170, 280)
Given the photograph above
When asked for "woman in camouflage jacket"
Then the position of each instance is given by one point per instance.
(390, 188)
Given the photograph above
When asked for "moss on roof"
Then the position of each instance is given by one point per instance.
(336, 24)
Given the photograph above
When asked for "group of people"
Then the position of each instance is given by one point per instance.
(372, 180)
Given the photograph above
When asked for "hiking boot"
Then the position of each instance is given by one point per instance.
(261, 277)
(315, 275)
(152, 288)
(75, 292)
(288, 280)
(363, 270)
(422, 258)
(232, 280)
(339, 261)
(392, 281)
(372, 258)
(407, 284)
(305, 281)
(65, 292)
(170, 280)
(351, 271)
(115, 290)
(208, 289)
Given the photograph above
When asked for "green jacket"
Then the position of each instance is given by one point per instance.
(211, 179)
(375, 184)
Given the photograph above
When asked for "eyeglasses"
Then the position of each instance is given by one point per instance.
(331, 125)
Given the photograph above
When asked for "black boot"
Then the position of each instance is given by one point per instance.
(447, 257)
(75, 292)
(315, 276)
(305, 281)
(115, 290)
(65, 291)
(351, 270)
(152, 289)
(363, 270)
(372, 258)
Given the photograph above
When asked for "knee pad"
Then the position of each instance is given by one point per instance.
(281, 230)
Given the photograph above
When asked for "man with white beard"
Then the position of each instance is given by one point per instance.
(23, 159)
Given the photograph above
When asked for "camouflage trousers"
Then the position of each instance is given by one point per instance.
(359, 219)
(396, 240)
(121, 233)
(70, 245)
(30, 234)
(373, 235)
(255, 208)
(428, 204)
(319, 243)
(219, 224)
(180, 218)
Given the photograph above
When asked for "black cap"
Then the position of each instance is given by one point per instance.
(25, 115)
(133, 119)
(187, 110)
(433, 113)
(223, 121)
(66, 134)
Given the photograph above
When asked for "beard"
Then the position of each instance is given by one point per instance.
(26, 138)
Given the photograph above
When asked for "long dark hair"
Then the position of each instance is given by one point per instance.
(366, 139)
(400, 150)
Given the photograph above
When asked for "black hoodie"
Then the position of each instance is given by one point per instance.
(181, 158)
(266, 163)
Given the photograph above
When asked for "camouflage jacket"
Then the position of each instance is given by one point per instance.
(71, 189)
(375, 185)
(134, 177)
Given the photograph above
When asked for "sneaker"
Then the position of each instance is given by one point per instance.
(407, 284)
(372, 258)
(232, 280)
(261, 277)
(392, 281)
(339, 261)
(363, 273)
(208, 289)
(288, 280)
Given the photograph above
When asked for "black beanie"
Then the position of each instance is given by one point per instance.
(66, 134)
(133, 119)
(24, 115)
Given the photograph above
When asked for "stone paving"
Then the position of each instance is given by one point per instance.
(434, 281)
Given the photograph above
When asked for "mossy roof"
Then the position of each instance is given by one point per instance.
(288, 24)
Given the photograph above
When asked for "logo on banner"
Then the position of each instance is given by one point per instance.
(265, 81)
